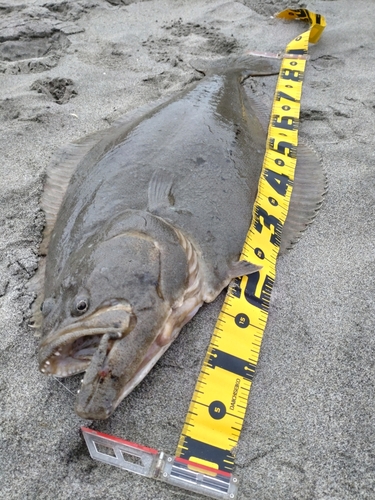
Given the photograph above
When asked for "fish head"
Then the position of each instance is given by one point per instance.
(109, 315)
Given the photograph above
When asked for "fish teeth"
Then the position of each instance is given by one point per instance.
(47, 362)
(57, 353)
(66, 373)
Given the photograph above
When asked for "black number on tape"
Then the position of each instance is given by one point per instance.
(294, 75)
(268, 222)
(261, 301)
(283, 147)
(242, 320)
(217, 410)
(279, 182)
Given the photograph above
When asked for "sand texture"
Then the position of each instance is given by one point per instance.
(71, 67)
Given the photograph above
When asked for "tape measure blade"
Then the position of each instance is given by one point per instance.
(218, 407)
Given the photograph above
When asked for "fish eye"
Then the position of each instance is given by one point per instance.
(82, 304)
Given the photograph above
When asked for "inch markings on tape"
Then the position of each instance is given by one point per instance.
(204, 460)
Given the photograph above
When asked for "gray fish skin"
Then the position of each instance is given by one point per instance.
(151, 226)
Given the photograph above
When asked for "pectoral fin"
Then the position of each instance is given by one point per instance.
(242, 268)
(160, 194)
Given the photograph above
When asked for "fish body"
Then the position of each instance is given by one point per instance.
(150, 219)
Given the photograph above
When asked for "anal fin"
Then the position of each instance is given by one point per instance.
(309, 188)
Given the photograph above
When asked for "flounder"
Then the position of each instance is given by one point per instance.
(145, 221)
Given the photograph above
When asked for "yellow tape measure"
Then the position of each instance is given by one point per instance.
(214, 421)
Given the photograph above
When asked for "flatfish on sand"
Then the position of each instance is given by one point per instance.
(145, 221)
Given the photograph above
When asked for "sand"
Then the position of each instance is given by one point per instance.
(69, 68)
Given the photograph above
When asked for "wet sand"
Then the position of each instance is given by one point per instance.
(69, 68)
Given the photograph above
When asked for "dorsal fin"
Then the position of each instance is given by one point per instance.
(131, 117)
(35, 285)
(309, 188)
(59, 172)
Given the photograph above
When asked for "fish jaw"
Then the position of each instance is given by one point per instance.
(104, 387)
(69, 350)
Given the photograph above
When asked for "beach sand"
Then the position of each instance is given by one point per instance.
(69, 68)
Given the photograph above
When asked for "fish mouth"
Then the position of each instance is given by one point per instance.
(93, 408)
(97, 399)
(69, 351)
